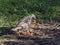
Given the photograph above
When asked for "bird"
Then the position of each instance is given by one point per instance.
(25, 23)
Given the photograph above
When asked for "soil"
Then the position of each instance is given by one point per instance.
(42, 34)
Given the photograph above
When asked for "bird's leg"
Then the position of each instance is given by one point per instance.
(31, 31)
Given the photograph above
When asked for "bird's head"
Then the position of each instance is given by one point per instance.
(33, 17)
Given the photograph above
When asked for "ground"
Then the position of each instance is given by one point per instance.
(45, 34)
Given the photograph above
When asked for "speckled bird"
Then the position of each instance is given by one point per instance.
(25, 23)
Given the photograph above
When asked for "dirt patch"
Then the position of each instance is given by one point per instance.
(46, 34)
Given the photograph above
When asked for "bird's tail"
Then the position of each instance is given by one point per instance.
(16, 28)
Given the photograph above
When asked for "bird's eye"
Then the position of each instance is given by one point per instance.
(33, 18)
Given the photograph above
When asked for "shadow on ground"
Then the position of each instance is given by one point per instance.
(6, 30)
(34, 41)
